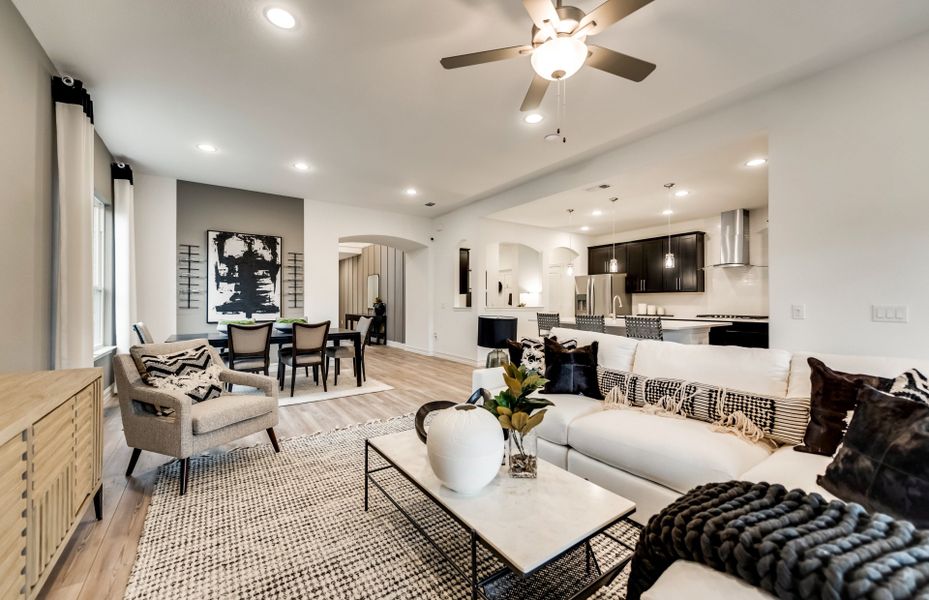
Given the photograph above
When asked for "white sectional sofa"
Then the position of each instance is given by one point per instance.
(653, 460)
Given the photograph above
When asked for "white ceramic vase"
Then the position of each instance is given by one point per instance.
(465, 448)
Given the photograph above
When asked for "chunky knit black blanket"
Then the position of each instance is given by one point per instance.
(790, 543)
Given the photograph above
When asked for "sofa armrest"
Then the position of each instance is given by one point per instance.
(489, 379)
(266, 384)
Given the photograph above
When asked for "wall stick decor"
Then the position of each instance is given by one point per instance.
(244, 278)
(294, 270)
(189, 275)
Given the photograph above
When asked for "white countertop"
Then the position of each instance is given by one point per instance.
(527, 521)
(668, 324)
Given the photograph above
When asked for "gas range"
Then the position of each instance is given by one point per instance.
(740, 317)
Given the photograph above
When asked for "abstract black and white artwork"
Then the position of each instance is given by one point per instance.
(244, 278)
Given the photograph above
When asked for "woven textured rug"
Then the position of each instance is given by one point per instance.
(255, 524)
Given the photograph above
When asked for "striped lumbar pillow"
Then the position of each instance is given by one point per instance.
(782, 420)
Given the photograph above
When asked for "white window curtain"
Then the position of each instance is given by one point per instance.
(72, 294)
(126, 310)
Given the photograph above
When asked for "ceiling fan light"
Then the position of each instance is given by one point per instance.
(559, 58)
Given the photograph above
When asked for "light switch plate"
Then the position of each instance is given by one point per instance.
(798, 311)
(890, 313)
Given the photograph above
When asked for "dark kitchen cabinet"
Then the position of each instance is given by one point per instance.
(598, 259)
(643, 263)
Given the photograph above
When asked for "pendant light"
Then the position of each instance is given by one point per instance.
(614, 264)
(669, 257)
(570, 268)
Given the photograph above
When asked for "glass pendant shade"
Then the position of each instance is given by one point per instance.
(559, 58)
(614, 265)
(669, 260)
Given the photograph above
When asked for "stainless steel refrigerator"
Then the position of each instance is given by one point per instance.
(602, 295)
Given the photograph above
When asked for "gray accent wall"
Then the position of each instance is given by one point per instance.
(389, 264)
(27, 149)
(201, 207)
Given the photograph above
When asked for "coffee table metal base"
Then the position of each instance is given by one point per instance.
(598, 578)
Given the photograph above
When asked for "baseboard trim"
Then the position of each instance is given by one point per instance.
(443, 355)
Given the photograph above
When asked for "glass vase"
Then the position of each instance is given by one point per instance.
(523, 454)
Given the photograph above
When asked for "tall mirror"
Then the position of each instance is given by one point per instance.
(374, 290)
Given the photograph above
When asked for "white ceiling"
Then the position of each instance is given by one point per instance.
(357, 90)
(717, 180)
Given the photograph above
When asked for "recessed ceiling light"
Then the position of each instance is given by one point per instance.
(667, 212)
(206, 148)
(756, 162)
(597, 213)
(301, 166)
(533, 118)
(410, 191)
(280, 18)
(681, 193)
(585, 228)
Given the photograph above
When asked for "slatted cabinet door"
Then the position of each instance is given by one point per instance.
(13, 518)
(52, 481)
(87, 444)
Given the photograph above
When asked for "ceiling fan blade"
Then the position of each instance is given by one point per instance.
(536, 92)
(479, 58)
(542, 13)
(608, 13)
(617, 63)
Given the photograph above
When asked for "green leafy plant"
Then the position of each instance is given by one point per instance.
(299, 320)
(239, 322)
(513, 406)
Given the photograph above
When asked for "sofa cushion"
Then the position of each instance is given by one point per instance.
(614, 352)
(799, 382)
(694, 581)
(567, 408)
(571, 371)
(227, 410)
(676, 453)
(530, 353)
(792, 470)
(756, 370)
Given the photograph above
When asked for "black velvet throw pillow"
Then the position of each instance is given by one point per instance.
(832, 395)
(884, 461)
(571, 371)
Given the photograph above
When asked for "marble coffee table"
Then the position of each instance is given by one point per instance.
(562, 514)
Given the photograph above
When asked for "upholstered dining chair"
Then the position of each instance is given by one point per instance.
(590, 323)
(250, 347)
(308, 349)
(142, 332)
(644, 328)
(547, 321)
(190, 427)
(337, 353)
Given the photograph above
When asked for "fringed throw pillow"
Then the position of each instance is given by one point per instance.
(191, 372)
(751, 415)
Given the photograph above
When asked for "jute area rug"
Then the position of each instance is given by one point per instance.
(255, 524)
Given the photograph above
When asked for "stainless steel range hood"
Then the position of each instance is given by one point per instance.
(733, 239)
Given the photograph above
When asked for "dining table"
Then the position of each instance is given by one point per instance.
(337, 335)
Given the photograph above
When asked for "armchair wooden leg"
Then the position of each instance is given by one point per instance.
(98, 503)
(271, 434)
(185, 471)
(132, 461)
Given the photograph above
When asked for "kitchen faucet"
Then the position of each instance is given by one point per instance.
(613, 304)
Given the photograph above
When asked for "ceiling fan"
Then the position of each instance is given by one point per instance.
(559, 46)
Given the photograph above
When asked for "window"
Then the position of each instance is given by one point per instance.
(99, 275)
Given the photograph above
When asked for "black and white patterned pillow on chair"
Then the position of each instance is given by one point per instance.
(191, 372)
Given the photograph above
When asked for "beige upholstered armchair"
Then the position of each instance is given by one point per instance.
(191, 427)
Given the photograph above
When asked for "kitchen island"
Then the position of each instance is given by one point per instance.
(675, 330)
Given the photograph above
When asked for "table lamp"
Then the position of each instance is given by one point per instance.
(493, 332)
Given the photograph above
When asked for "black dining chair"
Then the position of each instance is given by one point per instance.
(250, 347)
(644, 328)
(308, 349)
(339, 352)
(595, 323)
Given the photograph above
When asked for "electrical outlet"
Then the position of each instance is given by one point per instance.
(890, 313)
(798, 311)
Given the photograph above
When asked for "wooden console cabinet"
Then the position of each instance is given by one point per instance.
(51, 462)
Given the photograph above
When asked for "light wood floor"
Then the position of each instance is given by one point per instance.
(99, 557)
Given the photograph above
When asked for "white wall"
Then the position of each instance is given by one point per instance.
(326, 223)
(847, 201)
(156, 253)
(738, 290)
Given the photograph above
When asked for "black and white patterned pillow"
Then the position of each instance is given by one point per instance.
(780, 419)
(530, 352)
(912, 385)
(190, 371)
